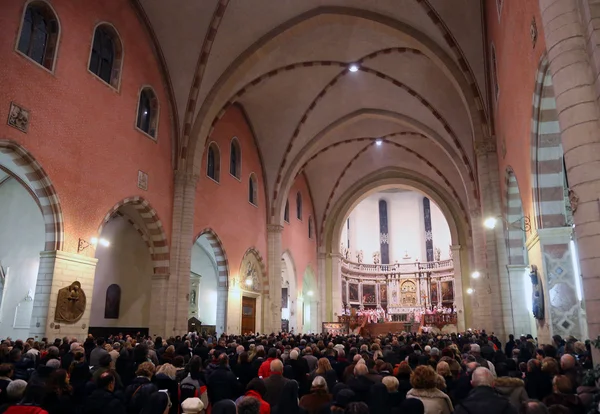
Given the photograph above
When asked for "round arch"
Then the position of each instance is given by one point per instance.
(220, 92)
(289, 280)
(22, 163)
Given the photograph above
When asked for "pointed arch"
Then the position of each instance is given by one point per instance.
(158, 243)
(220, 256)
(25, 166)
(263, 268)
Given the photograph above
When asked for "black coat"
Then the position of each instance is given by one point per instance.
(103, 402)
(222, 385)
(137, 393)
(245, 372)
(485, 400)
(538, 385)
(361, 387)
(274, 385)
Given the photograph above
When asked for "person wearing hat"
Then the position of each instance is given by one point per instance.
(192, 405)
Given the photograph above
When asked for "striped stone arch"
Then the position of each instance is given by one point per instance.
(514, 215)
(547, 166)
(263, 268)
(220, 256)
(32, 173)
(154, 237)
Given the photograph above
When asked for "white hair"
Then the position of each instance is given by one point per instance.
(482, 377)
(294, 354)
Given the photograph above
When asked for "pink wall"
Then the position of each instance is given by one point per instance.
(82, 131)
(224, 206)
(518, 63)
(295, 233)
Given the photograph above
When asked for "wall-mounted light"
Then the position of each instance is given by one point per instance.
(470, 291)
(523, 223)
(248, 281)
(475, 275)
(94, 241)
(310, 293)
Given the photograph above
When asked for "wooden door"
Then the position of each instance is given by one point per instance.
(248, 314)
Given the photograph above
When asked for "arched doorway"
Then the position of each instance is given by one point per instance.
(209, 274)
(310, 302)
(30, 223)
(291, 309)
(132, 254)
(248, 311)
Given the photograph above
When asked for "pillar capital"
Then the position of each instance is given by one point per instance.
(485, 147)
(274, 228)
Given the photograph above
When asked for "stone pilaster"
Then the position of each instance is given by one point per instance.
(574, 77)
(518, 318)
(57, 270)
(336, 286)
(158, 304)
(459, 295)
(176, 303)
(324, 296)
(272, 306)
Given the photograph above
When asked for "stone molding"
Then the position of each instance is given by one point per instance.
(274, 228)
(69, 257)
(485, 147)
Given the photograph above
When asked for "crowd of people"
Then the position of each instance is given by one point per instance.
(468, 373)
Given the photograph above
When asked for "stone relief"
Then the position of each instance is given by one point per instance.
(70, 303)
(142, 181)
(573, 200)
(18, 117)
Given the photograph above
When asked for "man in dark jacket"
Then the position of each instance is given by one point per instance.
(510, 345)
(275, 383)
(483, 398)
(360, 384)
(103, 399)
(222, 383)
(538, 384)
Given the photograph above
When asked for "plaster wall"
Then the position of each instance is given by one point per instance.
(81, 130)
(405, 224)
(21, 241)
(126, 262)
(207, 294)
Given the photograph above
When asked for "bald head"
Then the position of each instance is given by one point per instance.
(276, 366)
(360, 369)
(567, 361)
(482, 377)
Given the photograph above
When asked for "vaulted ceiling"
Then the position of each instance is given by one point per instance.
(420, 88)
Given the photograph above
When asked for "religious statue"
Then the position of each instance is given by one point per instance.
(70, 304)
(437, 255)
(537, 294)
(193, 297)
(376, 257)
(359, 256)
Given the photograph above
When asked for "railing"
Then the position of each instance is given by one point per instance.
(413, 267)
(439, 320)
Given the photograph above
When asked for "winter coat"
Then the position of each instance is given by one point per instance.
(586, 395)
(103, 402)
(265, 368)
(538, 385)
(265, 408)
(222, 385)
(513, 389)
(434, 400)
(315, 401)
(571, 401)
(274, 385)
(485, 400)
(137, 393)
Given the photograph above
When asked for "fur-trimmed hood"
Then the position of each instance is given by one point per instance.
(426, 393)
(508, 382)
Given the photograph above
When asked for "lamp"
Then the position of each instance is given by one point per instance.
(523, 223)
(94, 241)
(248, 281)
(475, 275)
(470, 291)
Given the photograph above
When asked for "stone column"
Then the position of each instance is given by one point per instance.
(158, 305)
(336, 286)
(272, 306)
(573, 78)
(518, 318)
(57, 270)
(459, 296)
(324, 292)
(176, 311)
(488, 292)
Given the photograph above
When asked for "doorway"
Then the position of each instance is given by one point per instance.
(248, 314)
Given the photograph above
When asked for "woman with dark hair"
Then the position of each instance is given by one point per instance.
(325, 370)
(224, 407)
(58, 398)
(357, 408)
(243, 370)
(379, 400)
(193, 385)
(79, 375)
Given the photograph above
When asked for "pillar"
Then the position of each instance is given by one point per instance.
(459, 295)
(57, 270)
(519, 319)
(573, 77)
(272, 304)
(324, 295)
(178, 286)
(336, 286)
(158, 305)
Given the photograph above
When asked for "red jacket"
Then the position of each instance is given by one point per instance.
(265, 408)
(264, 370)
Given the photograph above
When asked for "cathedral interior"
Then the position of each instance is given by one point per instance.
(235, 166)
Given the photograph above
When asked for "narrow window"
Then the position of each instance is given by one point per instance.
(147, 116)
(235, 159)
(299, 206)
(310, 227)
(494, 68)
(252, 189)
(107, 55)
(286, 212)
(213, 164)
(39, 34)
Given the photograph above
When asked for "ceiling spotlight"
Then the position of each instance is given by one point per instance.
(378, 142)
(490, 222)
(470, 291)
(475, 275)
(310, 293)
(353, 67)
(104, 242)
(249, 281)
(94, 240)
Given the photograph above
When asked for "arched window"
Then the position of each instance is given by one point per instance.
(107, 55)
(286, 212)
(213, 164)
(113, 302)
(310, 227)
(494, 69)
(253, 190)
(38, 39)
(299, 205)
(235, 159)
(147, 114)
